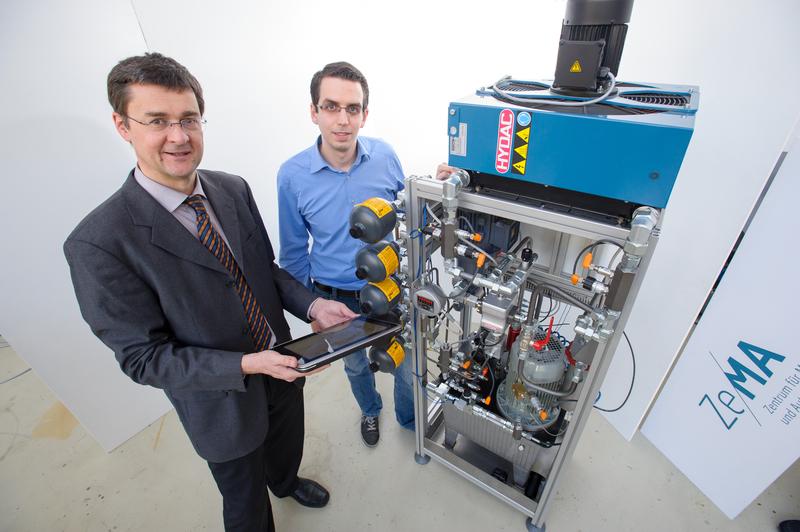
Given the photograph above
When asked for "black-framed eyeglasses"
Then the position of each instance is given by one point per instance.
(334, 108)
(162, 124)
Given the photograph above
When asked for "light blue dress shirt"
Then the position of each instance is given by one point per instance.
(315, 200)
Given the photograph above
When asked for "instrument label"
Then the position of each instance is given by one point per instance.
(389, 259)
(379, 206)
(389, 288)
(505, 131)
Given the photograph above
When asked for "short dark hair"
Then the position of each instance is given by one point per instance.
(153, 69)
(341, 70)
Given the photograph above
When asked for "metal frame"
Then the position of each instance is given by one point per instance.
(429, 417)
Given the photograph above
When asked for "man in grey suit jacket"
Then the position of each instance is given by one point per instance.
(181, 313)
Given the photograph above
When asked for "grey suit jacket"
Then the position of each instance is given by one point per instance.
(170, 311)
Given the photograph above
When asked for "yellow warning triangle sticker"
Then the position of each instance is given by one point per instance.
(576, 67)
(520, 167)
(524, 134)
(523, 151)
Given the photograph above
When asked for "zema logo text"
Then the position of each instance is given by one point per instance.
(505, 129)
(754, 369)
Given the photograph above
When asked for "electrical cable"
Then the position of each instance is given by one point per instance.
(526, 240)
(591, 247)
(550, 308)
(491, 372)
(488, 256)
(556, 435)
(452, 320)
(633, 378)
(471, 227)
(464, 240)
(614, 258)
(467, 338)
(429, 210)
(15, 376)
(495, 343)
(551, 101)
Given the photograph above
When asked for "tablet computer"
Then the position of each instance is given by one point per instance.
(317, 349)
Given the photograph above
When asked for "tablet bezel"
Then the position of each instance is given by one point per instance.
(391, 329)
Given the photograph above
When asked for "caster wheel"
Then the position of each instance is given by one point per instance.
(530, 528)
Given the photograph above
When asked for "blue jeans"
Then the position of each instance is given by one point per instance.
(362, 380)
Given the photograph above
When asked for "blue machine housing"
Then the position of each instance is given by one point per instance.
(628, 148)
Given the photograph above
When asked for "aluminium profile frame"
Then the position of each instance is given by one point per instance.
(418, 191)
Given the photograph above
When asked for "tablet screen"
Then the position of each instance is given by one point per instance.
(336, 338)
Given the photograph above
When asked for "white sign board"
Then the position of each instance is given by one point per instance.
(729, 415)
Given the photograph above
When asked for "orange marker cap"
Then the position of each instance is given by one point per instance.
(587, 260)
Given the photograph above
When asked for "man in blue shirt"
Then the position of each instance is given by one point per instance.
(317, 189)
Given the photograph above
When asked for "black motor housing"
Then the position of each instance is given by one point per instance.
(592, 38)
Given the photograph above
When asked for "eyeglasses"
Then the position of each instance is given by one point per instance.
(162, 124)
(335, 108)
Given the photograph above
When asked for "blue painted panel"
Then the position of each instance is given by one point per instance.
(633, 158)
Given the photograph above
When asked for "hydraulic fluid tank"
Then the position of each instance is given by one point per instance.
(372, 220)
(377, 261)
(379, 298)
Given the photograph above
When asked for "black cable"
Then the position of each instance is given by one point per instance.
(592, 246)
(633, 378)
(493, 344)
(15, 376)
(555, 435)
(514, 250)
(550, 309)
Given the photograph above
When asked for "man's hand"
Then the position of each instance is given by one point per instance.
(327, 313)
(443, 171)
(275, 365)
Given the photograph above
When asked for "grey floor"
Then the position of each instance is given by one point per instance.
(54, 476)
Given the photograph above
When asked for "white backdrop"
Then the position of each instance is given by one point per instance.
(733, 438)
(60, 159)
(255, 60)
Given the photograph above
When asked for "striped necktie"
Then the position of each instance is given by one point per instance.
(211, 239)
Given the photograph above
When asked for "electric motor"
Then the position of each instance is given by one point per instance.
(545, 368)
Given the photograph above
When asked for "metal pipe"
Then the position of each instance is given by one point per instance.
(566, 295)
(526, 240)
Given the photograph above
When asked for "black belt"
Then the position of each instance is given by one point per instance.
(336, 292)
